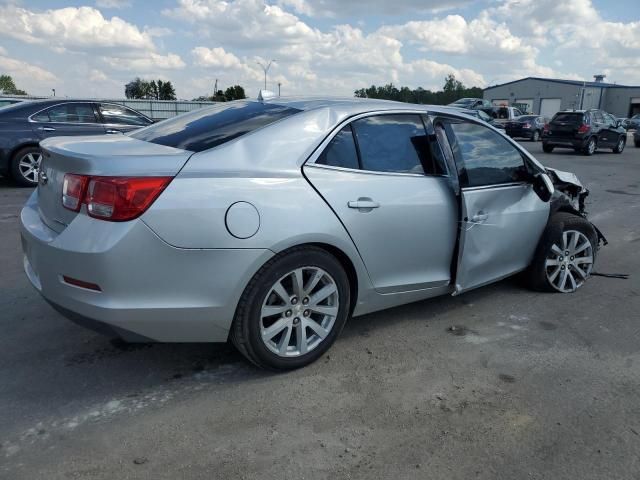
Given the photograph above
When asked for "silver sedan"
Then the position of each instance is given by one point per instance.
(271, 222)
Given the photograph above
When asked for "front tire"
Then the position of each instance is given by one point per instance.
(25, 166)
(547, 148)
(565, 255)
(619, 148)
(292, 310)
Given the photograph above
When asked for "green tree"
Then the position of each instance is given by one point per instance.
(235, 92)
(7, 86)
(157, 90)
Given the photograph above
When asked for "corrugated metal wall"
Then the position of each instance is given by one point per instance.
(155, 109)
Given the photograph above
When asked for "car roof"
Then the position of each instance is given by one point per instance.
(355, 105)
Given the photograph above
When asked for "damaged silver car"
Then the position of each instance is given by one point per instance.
(272, 222)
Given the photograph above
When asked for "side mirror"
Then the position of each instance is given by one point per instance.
(543, 186)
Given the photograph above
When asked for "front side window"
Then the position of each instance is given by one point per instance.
(209, 127)
(119, 115)
(392, 143)
(341, 152)
(68, 113)
(485, 157)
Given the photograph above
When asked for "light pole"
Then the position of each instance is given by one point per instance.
(266, 69)
(54, 91)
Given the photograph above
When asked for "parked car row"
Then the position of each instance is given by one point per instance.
(23, 125)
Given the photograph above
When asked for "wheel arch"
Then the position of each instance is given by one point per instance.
(17, 148)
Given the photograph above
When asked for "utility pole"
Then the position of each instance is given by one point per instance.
(54, 91)
(279, 84)
(266, 69)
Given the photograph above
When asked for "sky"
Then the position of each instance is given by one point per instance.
(92, 48)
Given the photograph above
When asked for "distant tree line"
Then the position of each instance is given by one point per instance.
(236, 92)
(453, 90)
(8, 87)
(154, 90)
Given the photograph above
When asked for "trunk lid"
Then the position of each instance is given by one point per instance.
(104, 155)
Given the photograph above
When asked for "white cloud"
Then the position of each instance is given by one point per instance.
(150, 61)
(337, 8)
(73, 28)
(215, 57)
(31, 78)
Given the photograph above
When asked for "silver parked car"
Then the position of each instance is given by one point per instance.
(271, 222)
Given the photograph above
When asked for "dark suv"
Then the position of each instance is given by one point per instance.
(585, 131)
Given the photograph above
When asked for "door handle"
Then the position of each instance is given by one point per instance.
(479, 217)
(111, 131)
(363, 203)
(48, 129)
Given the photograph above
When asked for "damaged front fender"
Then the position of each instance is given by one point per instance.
(570, 196)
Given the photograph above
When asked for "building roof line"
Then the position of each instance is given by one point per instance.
(566, 82)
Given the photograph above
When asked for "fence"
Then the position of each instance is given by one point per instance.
(155, 109)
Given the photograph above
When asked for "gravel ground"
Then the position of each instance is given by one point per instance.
(529, 385)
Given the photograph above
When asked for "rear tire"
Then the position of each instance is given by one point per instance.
(548, 258)
(619, 148)
(25, 166)
(281, 333)
(547, 148)
(590, 148)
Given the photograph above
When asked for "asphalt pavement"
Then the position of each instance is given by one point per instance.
(525, 386)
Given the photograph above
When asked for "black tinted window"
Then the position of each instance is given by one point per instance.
(68, 113)
(392, 143)
(341, 152)
(209, 127)
(119, 115)
(573, 118)
(486, 157)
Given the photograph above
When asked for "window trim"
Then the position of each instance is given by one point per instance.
(311, 161)
(30, 118)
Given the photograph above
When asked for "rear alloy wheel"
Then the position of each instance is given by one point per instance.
(536, 136)
(565, 256)
(292, 310)
(619, 148)
(590, 148)
(25, 166)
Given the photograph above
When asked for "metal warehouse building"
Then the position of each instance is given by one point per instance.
(547, 96)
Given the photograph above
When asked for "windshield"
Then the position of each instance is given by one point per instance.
(464, 102)
(209, 127)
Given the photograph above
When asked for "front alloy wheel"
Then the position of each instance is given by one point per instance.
(25, 166)
(619, 148)
(569, 263)
(590, 149)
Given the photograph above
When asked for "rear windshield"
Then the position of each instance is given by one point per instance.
(527, 118)
(209, 127)
(568, 117)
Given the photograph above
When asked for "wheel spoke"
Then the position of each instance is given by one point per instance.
(25, 164)
(554, 275)
(322, 294)
(279, 290)
(315, 326)
(556, 249)
(588, 260)
(574, 241)
(313, 281)
(333, 311)
(580, 272)
(301, 338)
(563, 279)
(564, 241)
(550, 262)
(572, 280)
(298, 283)
(271, 310)
(582, 247)
(283, 344)
(276, 328)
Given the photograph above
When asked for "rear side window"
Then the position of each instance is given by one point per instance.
(392, 143)
(485, 157)
(209, 127)
(68, 113)
(118, 115)
(341, 152)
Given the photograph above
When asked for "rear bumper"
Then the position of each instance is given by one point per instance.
(150, 290)
(520, 133)
(568, 142)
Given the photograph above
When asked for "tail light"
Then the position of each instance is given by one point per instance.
(546, 127)
(116, 199)
(584, 128)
